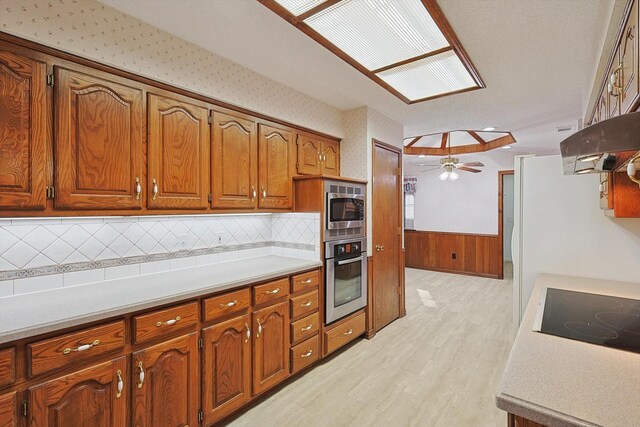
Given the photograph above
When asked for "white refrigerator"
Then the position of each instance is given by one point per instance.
(560, 229)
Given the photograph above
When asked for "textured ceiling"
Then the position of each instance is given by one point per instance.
(536, 58)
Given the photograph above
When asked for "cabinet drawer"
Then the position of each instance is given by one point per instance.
(344, 333)
(271, 291)
(225, 304)
(165, 322)
(305, 281)
(304, 304)
(304, 354)
(57, 352)
(7, 366)
(304, 328)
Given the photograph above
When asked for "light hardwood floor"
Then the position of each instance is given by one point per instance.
(438, 366)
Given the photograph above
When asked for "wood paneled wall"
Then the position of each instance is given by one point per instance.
(473, 254)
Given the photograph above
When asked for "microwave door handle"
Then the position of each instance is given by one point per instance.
(350, 261)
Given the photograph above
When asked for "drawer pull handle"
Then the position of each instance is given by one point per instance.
(349, 332)
(306, 304)
(140, 375)
(229, 304)
(307, 354)
(154, 190)
(120, 383)
(168, 322)
(246, 326)
(273, 292)
(138, 188)
(306, 328)
(306, 282)
(259, 329)
(253, 193)
(83, 347)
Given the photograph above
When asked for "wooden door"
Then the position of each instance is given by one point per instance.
(234, 162)
(386, 240)
(226, 368)
(178, 154)
(270, 346)
(331, 158)
(629, 61)
(274, 150)
(309, 155)
(24, 132)
(9, 410)
(165, 382)
(99, 141)
(93, 397)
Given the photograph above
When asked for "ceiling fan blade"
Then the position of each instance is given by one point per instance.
(477, 164)
(464, 168)
(431, 169)
(427, 164)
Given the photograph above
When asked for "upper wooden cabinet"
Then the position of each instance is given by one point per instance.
(234, 160)
(24, 132)
(270, 346)
(275, 151)
(317, 156)
(99, 141)
(629, 62)
(166, 384)
(178, 153)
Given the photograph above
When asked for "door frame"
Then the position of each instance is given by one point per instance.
(371, 327)
(501, 175)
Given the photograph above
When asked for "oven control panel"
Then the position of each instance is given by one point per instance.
(348, 248)
(344, 248)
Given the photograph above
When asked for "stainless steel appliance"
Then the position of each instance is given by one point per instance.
(346, 277)
(344, 210)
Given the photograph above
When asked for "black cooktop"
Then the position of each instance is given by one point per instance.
(598, 319)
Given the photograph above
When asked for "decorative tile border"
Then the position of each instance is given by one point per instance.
(114, 262)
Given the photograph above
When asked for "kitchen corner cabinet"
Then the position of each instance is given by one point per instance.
(99, 141)
(226, 367)
(24, 132)
(317, 156)
(9, 410)
(275, 157)
(96, 396)
(270, 346)
(165, 382)
(178, 153)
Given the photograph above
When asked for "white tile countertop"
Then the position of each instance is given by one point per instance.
(27, 315)
(561, 382)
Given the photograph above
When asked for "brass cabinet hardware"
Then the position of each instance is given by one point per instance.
(307, 354)
(140, 375)
(349, 332)
(82, 347)
(168, 322)
(259, 329)
(138, 188)
(120, 383)
(264, 194)
(273, 292)
(229, 304)
(306, 282)
(246, 326)
(253, 193)
(154, 194)
(306, 328)
(306, 304)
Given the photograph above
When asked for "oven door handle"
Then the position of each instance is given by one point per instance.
(351, 260)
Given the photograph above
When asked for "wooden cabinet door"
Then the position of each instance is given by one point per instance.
(270, 346)
(615, 95)
(165, 382)
(93, 397)
(9, 410)
(24, 132)
(603, 106)
(178, 154)
(629, 61)
(99, 141)
(226, 368)
(331, 158)
(234, 162)
(274, 150)
(309, 155)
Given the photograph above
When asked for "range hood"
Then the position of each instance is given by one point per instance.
(594, 149)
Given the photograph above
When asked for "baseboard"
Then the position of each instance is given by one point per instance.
(463, 273)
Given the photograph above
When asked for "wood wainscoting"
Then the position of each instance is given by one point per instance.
(472, 254)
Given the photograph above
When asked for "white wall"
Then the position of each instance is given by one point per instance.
(467, 205)
(565, 232)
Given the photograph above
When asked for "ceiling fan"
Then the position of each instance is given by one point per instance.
(450, 166)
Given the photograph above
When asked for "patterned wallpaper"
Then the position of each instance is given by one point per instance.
(95, 31)
(467, 205)
(45, 253)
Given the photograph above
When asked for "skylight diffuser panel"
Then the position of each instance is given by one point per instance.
(298, 7)
(377, 33)
(429, 77)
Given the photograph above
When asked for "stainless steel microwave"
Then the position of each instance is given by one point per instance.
(344, 210)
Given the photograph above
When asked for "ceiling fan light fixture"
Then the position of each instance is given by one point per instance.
(444, 176)
(453, 176)
(489, 129)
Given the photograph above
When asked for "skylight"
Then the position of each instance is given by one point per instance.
(406, 46)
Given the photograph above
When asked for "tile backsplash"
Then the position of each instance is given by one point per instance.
(39, 254)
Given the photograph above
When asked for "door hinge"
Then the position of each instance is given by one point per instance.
(399, 290)
(209, 119)
(210, 198)
(200, 416)
(50, 192)
(297, 165)
(25, 408)
(399, 172)
(200, 343)
(50, 80)
(399, 231)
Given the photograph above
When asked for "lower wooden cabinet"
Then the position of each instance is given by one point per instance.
(93, 397)
(270, 346)
(226, 368)
(165, 384)
(517, 421)
(8, 410)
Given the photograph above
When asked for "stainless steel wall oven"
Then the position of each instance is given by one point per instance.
(346, 277)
